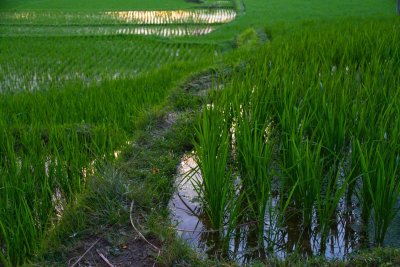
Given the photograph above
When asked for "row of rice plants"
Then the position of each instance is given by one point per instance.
(42, 169)
(314, 123)
(163, 31)
(29, 63)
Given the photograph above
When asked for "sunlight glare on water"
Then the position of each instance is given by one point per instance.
(175, 16)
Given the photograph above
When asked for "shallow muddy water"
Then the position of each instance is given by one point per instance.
(345, 234)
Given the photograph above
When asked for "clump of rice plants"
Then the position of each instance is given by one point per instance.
(381, 186)
(216, 186)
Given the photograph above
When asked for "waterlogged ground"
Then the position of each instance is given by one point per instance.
(47, 62)
(173, 31)
(54, 61)
(345, 235)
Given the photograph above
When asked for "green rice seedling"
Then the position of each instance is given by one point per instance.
(21, 210)
(301, 164)
(309, 169)
(254, 149)
(212, 153)
(332, 190)
(380, 179)
(333, 119)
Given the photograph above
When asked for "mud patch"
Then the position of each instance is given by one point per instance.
(125, 248)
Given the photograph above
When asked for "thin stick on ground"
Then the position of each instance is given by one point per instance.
(104, 258)
(83, 255)
(139, 233)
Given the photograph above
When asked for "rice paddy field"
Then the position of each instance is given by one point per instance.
(297, 150)
(307, 141)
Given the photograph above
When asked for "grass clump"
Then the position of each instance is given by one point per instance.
(216, 186)
(248, 38)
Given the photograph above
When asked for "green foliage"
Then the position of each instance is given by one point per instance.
(212, 147)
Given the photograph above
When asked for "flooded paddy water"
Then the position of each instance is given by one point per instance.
(163, 31)
(92, 61)
(201, 16)
(156, 17)
(170, 23)
(282, 237)
(167, 24)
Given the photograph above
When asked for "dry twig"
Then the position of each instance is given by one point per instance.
(83, 255)
(104, 258)
(139, 233)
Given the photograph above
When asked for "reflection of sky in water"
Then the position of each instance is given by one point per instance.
(343, 237)
(181, 22)
(185, 199)
(198, 16)
(166, 32)
(173, 17)
(163, 31)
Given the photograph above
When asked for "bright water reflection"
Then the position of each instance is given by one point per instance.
(164, 31)
(197, 16)
(202, 16)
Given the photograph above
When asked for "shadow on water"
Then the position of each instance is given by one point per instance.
(281, 238)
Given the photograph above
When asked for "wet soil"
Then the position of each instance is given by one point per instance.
(126, 248)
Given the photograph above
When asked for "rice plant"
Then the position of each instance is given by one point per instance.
(381, 184)
(212, 153)
(254, 148)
